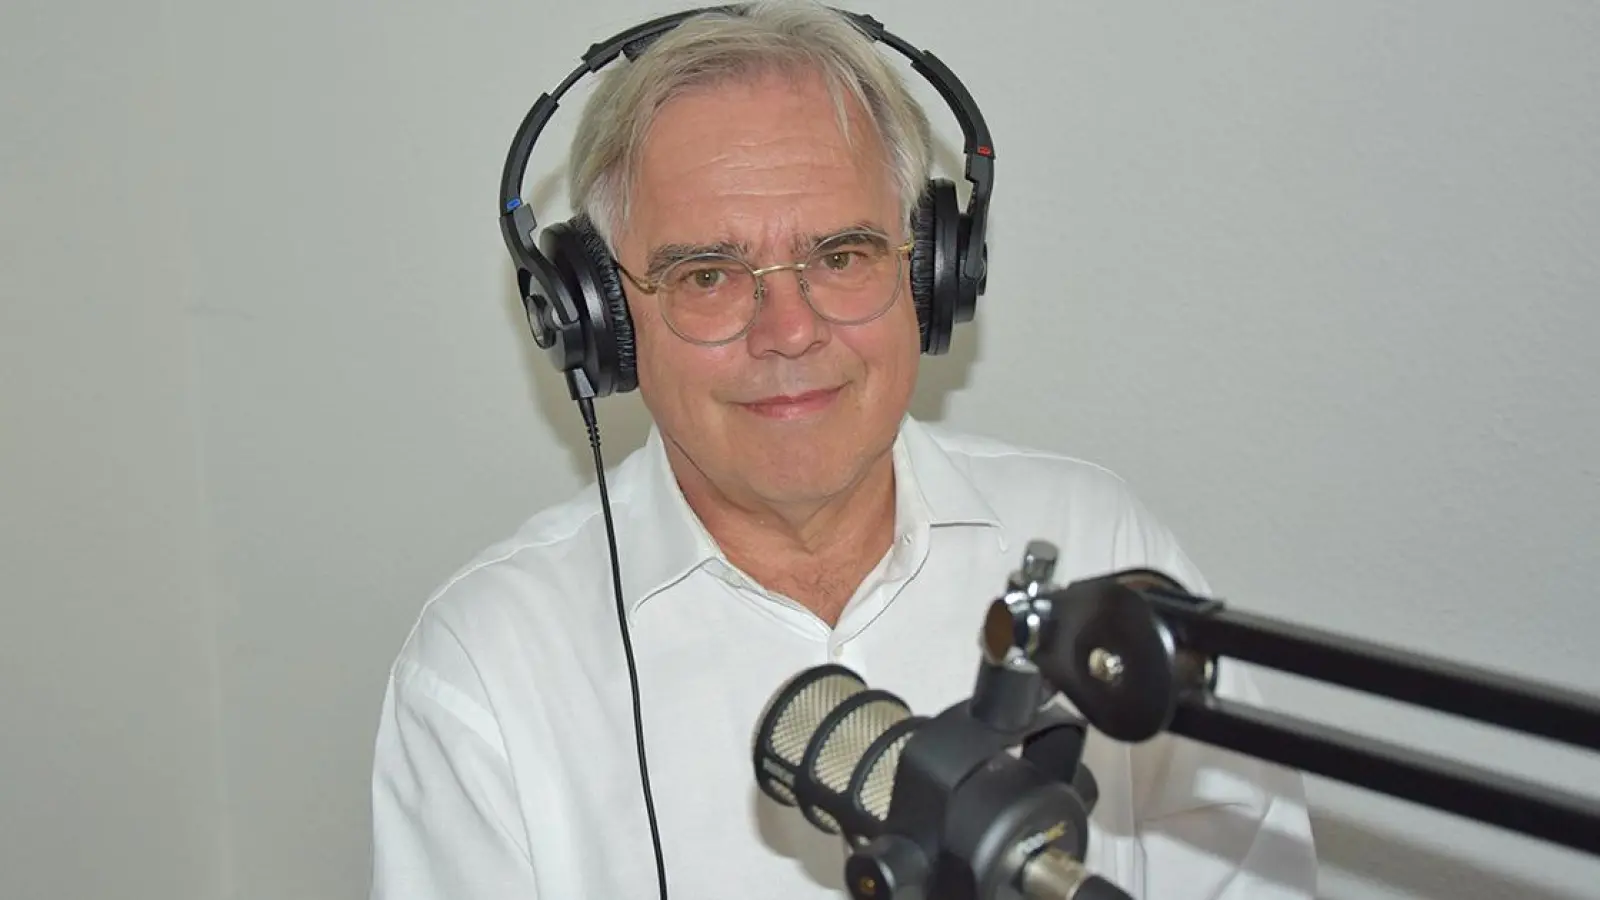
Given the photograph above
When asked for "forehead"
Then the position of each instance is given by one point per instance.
(760, 161)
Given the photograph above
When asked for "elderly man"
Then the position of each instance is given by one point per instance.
(785, 511)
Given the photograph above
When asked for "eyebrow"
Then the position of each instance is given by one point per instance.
(862, 233)
(665, 255)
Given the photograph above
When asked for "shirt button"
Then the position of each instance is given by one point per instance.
(836, 653)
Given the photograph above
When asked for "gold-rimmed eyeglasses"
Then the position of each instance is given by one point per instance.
(710, 299)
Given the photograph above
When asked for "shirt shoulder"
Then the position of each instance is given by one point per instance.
(539, 585)
(1096, 518)
(1017, 476)
(531, 554)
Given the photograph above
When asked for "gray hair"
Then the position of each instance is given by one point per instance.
(766, 36)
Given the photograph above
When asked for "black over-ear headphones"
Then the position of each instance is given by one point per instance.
(573, 295)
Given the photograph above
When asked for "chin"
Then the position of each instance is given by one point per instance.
(803, 468)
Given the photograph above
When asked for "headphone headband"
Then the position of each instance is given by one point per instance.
(520, 226)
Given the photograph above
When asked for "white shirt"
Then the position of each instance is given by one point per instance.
(505, 759)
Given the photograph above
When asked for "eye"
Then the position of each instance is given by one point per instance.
(703, 276)
(839, 260)
(848, 252)
(705, 279)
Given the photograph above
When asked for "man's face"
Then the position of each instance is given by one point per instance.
(798, 409)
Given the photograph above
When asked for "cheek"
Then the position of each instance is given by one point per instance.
(893, 343)
(674, 376)
(660, 375)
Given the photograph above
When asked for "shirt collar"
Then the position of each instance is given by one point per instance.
(667, 541)
(924, 469)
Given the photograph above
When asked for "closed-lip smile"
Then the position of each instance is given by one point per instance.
(789, 406)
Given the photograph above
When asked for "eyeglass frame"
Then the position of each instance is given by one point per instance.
(653, 286)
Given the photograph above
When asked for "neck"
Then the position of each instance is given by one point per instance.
(815, 551)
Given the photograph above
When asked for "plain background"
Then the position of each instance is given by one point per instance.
(1321, 280)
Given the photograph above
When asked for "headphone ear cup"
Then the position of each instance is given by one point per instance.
(583, 263)
(935, 264)
(614, 301)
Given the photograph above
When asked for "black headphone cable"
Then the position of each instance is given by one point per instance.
(586, 406)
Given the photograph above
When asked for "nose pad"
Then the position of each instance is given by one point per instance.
(763, 290)
(785, 319)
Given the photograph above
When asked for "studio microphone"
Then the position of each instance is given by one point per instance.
(936, 808)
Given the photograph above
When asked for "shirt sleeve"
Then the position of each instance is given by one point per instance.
(1213, 824)
(445, 823)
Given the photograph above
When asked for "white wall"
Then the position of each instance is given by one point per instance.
(1319, 279)
(110, 759)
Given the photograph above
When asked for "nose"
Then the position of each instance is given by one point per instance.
(785, 324)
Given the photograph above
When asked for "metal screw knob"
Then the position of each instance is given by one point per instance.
(1038, 565)
(1105, 665)
(1039, 562)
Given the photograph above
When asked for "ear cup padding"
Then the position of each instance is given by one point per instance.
(922, 261)
(613, 300)
(935, 264)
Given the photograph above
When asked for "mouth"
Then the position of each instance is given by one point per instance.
(793, 406)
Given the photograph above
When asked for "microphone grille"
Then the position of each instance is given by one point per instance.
(877, 789)
(844, 747)
(789, 722)
(831, 746)
(799, 719)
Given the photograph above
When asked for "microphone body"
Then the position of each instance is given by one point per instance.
(935, 808)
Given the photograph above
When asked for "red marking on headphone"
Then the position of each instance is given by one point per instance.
(985, 150)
